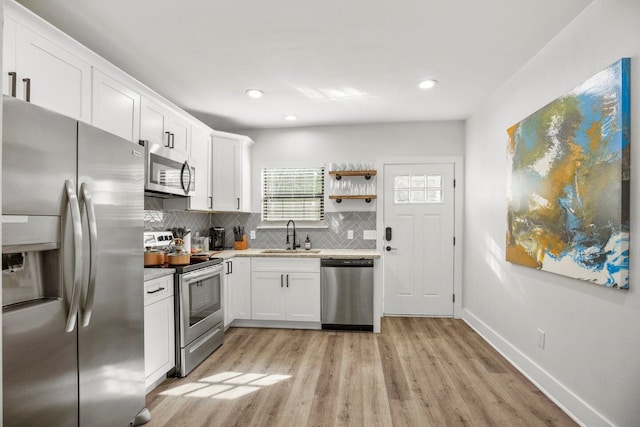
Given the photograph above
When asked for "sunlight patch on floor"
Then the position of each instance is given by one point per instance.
(226, 385)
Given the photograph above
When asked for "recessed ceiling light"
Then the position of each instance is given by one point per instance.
(427, 84)
(254, 93)
(291, 118)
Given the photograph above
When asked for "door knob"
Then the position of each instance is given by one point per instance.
(389, 249)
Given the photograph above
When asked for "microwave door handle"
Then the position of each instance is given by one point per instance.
(76, 224)
(189, 181)
(185, 166)
(85, 194)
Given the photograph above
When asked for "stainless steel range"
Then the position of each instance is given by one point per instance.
(199, 315)
(198, 307)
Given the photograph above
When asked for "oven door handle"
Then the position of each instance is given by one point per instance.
(187, 279)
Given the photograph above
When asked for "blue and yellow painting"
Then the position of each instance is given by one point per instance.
(568, 183)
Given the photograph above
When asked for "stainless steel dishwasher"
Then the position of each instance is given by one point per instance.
(347, 294)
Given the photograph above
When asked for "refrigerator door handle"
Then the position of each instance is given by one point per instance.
(77, 261)
(85, 194)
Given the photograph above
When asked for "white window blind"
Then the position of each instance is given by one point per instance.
(293, 193)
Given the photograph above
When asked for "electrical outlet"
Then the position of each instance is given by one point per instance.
(541, 337)
(350, 234)
(252, 234)
(369, 234)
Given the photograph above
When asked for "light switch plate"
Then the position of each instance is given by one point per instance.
(369, 234)
(350, 234)
(540, 338)
(252, 234)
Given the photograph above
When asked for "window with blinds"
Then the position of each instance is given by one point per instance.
(293, 193)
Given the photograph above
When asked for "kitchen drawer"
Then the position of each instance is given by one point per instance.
(158, 289)
(281, 264)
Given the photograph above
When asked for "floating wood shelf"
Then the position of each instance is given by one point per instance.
(339, 174)
(366, 198)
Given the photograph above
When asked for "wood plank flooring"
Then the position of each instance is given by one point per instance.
(417, 372)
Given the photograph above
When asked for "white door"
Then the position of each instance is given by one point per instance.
(242, 288)
(302, 297)
(154, 122)
(116, 107)
(51, 77)
(419, 233)
(267, 296)
(201, 159)
(226, 160)
(180, 133)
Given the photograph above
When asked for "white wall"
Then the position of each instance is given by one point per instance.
(317, 146)
(591, 362)
(1, 56)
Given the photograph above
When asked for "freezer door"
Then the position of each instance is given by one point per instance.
(111, 340)
(38, 156)
(39, 358)
(40, 383)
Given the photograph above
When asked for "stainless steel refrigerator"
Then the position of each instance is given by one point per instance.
(72, 270)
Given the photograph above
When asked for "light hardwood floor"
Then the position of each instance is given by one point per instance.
(417, 372)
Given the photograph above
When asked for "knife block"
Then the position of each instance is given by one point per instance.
(242, 245)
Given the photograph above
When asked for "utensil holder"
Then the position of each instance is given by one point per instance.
(242, 245)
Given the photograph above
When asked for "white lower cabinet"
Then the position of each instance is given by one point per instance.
(159, 332)
(285, 289)
(241, 292)
(227, 291)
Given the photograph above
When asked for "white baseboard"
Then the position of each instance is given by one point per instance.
(579, 410)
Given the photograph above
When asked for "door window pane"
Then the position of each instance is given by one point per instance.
(418, 181)
(418, 189)
(434, 181)
(417, 196)
(402, 181)
(402, 196)
(434, 196)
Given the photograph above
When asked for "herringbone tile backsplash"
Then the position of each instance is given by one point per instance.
(334, 236)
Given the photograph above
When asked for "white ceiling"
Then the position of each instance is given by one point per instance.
(204, 54)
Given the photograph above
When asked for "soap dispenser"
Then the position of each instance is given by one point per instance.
(307, 243)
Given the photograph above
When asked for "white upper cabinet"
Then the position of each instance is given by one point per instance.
(180, 130)
(40, 71)
(231, 172)
(116, 107)
(154, 121)
(162, 126)
(201, 159)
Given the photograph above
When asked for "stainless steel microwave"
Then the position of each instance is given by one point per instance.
(168, 171)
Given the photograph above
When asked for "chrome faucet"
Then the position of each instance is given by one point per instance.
(294, 244)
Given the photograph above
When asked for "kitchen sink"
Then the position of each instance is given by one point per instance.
(290, 251)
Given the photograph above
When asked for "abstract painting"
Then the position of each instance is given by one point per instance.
(568, 183)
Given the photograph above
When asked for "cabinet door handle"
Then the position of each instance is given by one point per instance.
(168, 144)
(210, 202)
(287, 280)
(173, 140)
(282, 280)
(157, 290)
(230, 267)
(238, 203)
(14, 78)
(27, 82)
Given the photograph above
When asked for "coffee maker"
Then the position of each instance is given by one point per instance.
(216, 238)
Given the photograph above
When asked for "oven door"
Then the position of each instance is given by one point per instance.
(200, 302)
(167, 172)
